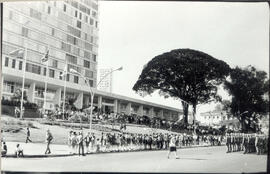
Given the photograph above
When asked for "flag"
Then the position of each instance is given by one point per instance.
(19, 53)
(79, 101)
(64, 72)
(45, 58)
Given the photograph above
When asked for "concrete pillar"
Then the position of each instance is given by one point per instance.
(115, 107)
(140, 110)
(128, 109)
(57, 97)
(99, 102)
(151, 112)
(86, 100)
(31, 92)
(161, 113)
(79, 102)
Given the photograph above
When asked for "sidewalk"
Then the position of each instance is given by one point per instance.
(37, 150)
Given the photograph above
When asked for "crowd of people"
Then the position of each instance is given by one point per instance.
(111, 142)
(249, 143)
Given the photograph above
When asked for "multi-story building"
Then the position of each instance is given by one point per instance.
(69, 31)
(212, 118)
(106, 76)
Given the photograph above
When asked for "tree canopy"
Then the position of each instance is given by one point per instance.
(189, 75)
(248, 88)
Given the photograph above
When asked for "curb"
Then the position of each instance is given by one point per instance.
(86, 154)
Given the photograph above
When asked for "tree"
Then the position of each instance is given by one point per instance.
(188, 75)
(248, 86)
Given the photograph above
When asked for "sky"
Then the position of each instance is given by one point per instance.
(132, 33)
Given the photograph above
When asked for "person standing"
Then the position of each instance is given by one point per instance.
(228, 143)
(172, 147)
(27, 135)
(49, 139)
(87, 140)
(70, 141)
(80, 143)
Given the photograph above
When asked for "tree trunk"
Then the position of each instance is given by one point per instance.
(185, 110)
(194, 113)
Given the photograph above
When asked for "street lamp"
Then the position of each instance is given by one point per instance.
(92, 93)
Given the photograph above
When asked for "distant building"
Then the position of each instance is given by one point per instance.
(212, 118)
(106, 84)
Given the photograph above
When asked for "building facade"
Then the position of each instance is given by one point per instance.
(68, 31)
(107, 78)
(212, 118)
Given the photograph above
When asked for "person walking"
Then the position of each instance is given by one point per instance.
(28, 135)
(172, 147)
(70, 141)
(49, 139)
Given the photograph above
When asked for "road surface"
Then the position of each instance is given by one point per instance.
(202, 159)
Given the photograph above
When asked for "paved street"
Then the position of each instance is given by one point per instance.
(203, 159)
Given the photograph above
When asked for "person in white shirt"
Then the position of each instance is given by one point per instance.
(172, 147)
(18, 151)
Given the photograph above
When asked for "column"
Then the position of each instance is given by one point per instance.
(128, 109)
(57, 97)
(2, 86)
(86, 100)
(161, 113)
(140, 110)
(115, 107)
(99, 102)
(31, 92)
(151, 112)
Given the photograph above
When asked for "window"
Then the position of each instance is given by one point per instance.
(60, 75)
(65, 47)
(20, 65)
(76, 13)
(65, 8)
(91, 83)
(85, 36)
(86, 64)
(94, 57)
(49, 10)
(89, 74)
(13, 63)
(67, 77)
(24, 31)
(86, 19)
(72, 40)
(35, 14)
(44, 71)
(6, 61)
(71, 59)
(74, 4)
(87, 54)
(33, 68)
(74, 31)
(96, 24)
(92, 39)
(54, 63)
(51, 73)
(76, 79)
(79, 24)
(88, 46)
(80, 16)
(91, 21)
(74, 67)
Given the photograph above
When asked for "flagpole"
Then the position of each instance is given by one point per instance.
(24, 69)
(46, 83)
(65, 85)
